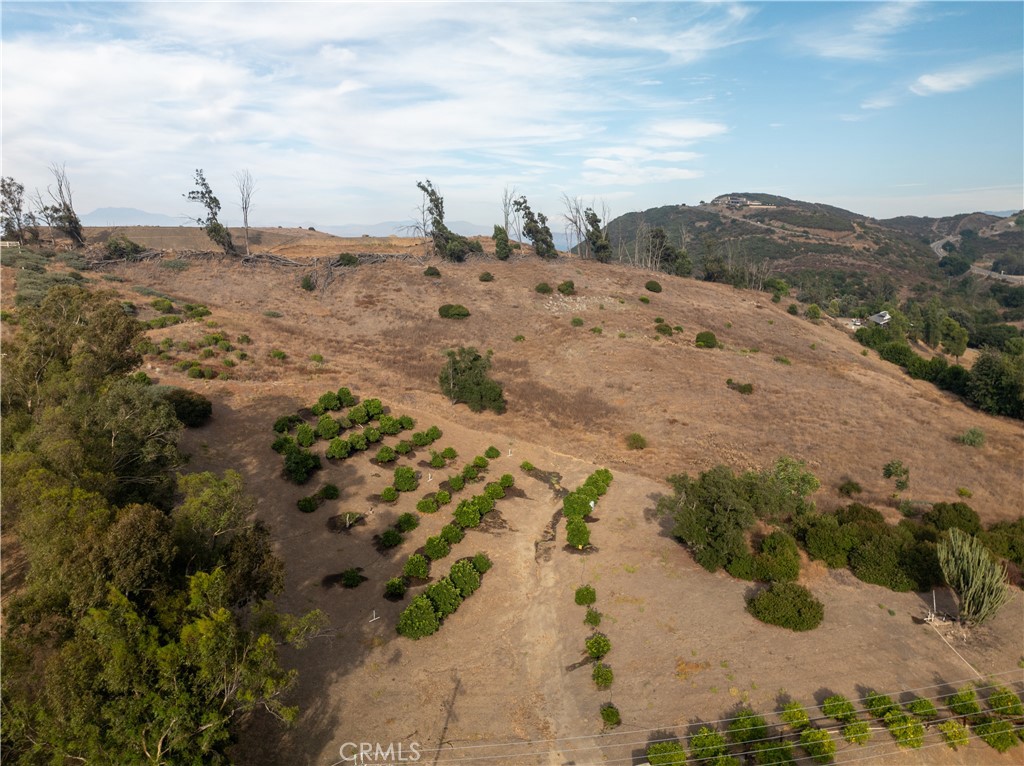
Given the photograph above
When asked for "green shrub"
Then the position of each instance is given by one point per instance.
(840, 708)
(418, 619)
(453, 311)
(405, 479)
(442, 498)
(922, 708)
(945, 516)
(465, 577)
(905, 728)
(119, 246)
(610, 715)
(394, 589)
(635, 441)
(567, 287)
(879, 705)
(191, 408)
(857, 732)
(386, 455)
(653, 286)
(707, 744)
(507, 481)
(526, 466)
(308, 504)
(390, 538)
(436, 461)
(427, 505)
(747, 727)
(777, 752)
(706, 339)
(481, 563)
(819, 745)
(305, 435)
(742, 388)
(666, 754)
(577, 533)
(339, 449)
(787, 605)
(602, 676)
(467, 515)
(329, 492)
(996, 733)
(972, 437)
(598, 645)
(663, 329)
(486, 277)
(389, 494)
(163, 305)
(592, 618)
(276, 353)
(586, 595)
(492, 453)
(417, 566)
(327, 427)
(813, 312)
(431, 271)
(351, 578)
(452, 534)
(576, 322)
(389, 426)
(793, 309)
(481, 462)
(403, 447)
(1004, 702)
(308, 282)
(778, 560)
(444, 596)
(436, 548)
(299, 464)
(644, 299)
(359, 415)
(955, 734)
(470, 472)
(849, 488)
(964, 702)
(372, 435)
(283, 443)
(794, 714)
(494, 490)
(407, 522)
(543, 288)
(456, 482)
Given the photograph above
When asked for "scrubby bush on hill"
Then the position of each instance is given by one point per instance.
(453, 311)
(543, 288)
(653, 286)
(787, 605)
(464, 378)
(706, 339)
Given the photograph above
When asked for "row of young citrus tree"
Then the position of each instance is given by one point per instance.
(749, 738)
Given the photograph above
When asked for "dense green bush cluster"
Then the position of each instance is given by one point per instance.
(706, 339)
(453, 311)
(580, 503)
(427, 611)
(787, 605)
(464, 378)
(567, 287)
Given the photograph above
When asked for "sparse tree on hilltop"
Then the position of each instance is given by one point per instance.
(16, 222)
(60, 214)
(535, 227)
(246, 187)
(215, 230)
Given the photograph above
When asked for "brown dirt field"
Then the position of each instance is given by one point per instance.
(501, 682)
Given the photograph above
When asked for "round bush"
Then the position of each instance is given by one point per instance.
(481, 563)
(427, 505)
(452, 534)
(567, 287)
(492, 453)
(543, 288)
(598, 645)
(358, 442)
(586, 595)
(706, 339)
(602, 675)
(431, 271)
(389, 494)
(405, 479)
(444, 596)
(456, 482)
(307, 504)
(593, 618)
(390, 538)
(418, 619)
(436, 548)
(653, 286)
(486, 277)
(395, 588)
(787, 605)
(453, 311)
(403, 447)
(329, 492)
(417, 566)
(507, 481)
(449, 453)
(465, 577)
(480, 462)
(327, 427)
(442, 498)
(635, 441)
(407, 522)
(339, 448)
(610, 715)
(386, 455)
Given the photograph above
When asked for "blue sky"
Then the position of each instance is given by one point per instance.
(337, 109)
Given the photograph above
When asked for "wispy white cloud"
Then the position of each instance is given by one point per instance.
(865, 36)
(967, 75)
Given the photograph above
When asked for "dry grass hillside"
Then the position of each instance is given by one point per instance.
(505, 681)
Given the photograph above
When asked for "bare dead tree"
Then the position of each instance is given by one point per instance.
(63, 210)
(510, 216)
(246, 185)
(642, 255)
(575, 224)
(44, 212)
